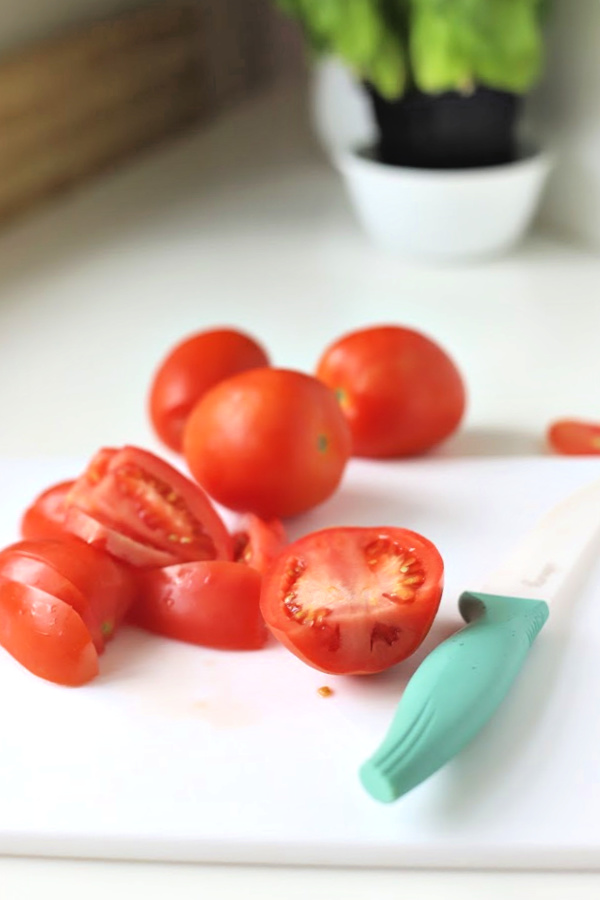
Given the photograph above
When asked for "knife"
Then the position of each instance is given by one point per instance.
(461, 683)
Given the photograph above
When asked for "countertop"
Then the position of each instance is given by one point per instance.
(246, 223)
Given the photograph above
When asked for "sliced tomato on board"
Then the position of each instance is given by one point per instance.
(257, 542)
(144, 512)
(354, 600)
(45, 518)
(574, 437)
(99, 588)
(45, 635)
(214, 603)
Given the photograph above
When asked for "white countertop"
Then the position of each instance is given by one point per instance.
(247, 224)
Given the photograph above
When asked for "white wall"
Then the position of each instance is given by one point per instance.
(568, 110)
(26, 20)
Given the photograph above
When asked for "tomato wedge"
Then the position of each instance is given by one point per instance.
(257, 543)
(45, 518)
(573, 437)
(45, 635)
(98, 587)
(214, 603)
(144, 512)
(354, 600)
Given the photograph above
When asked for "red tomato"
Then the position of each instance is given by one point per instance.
(143, 511)
(572, 437)
(45, 635)
(45, 518)
(190, 369)
(271, 441)
(257, 543)
(401, 393)
(354, 600)
(214, 603)
(98, 587)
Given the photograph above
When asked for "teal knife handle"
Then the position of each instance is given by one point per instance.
(454, 692)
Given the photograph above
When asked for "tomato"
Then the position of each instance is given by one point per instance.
(214, 603)
(273, 442)
(98, 587)
(573, 437)
(400, 391)
(190, 369)
(257, 543)
(45, 635)
(143, 511)
(354, 600)
(45, 518)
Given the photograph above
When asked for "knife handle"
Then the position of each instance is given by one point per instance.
(454, 692)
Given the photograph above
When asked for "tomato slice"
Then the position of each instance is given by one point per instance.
(45, 635)
(98, 587)
(143, 511)
(354, 600)
(258, 543)
(573, 437)
(214, 603)
(45, 518)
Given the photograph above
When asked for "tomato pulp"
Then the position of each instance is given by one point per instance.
(144, 512)
(354, 600)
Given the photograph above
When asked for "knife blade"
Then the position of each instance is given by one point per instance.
(460, 684)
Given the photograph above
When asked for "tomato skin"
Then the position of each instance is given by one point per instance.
(400, 391)
(98, 587)
(353, 601)
(273, 442)
(45, 635)
(213, 603)
(143, 511)
(574, 437)
(45, 517)
(190, 369)
(257, 543)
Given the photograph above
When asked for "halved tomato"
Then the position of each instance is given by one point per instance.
(144, 512)
(214, 603)
(257, 543)
(354, 600)
(99, 588)
(574, 437)
(45, 635)
(45, 518)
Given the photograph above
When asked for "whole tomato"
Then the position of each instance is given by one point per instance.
(191, 368)
(400, 391)
(273, 442)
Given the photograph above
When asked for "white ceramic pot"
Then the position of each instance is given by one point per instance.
(444, 215)
(341, 112)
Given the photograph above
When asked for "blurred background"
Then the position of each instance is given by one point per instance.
(70, 68)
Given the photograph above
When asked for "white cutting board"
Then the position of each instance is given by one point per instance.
(182, 753)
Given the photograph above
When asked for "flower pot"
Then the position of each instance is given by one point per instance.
(444, 215)
(449, 130)
(341, 113)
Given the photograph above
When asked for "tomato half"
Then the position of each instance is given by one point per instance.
(143, 511)
(273, 442)
(45, 635)
(400, 392)
(215, 604)
(98, 587)
(257, 543)
(354, 600)
(573, 437)
(45, 518)
(190, 369)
